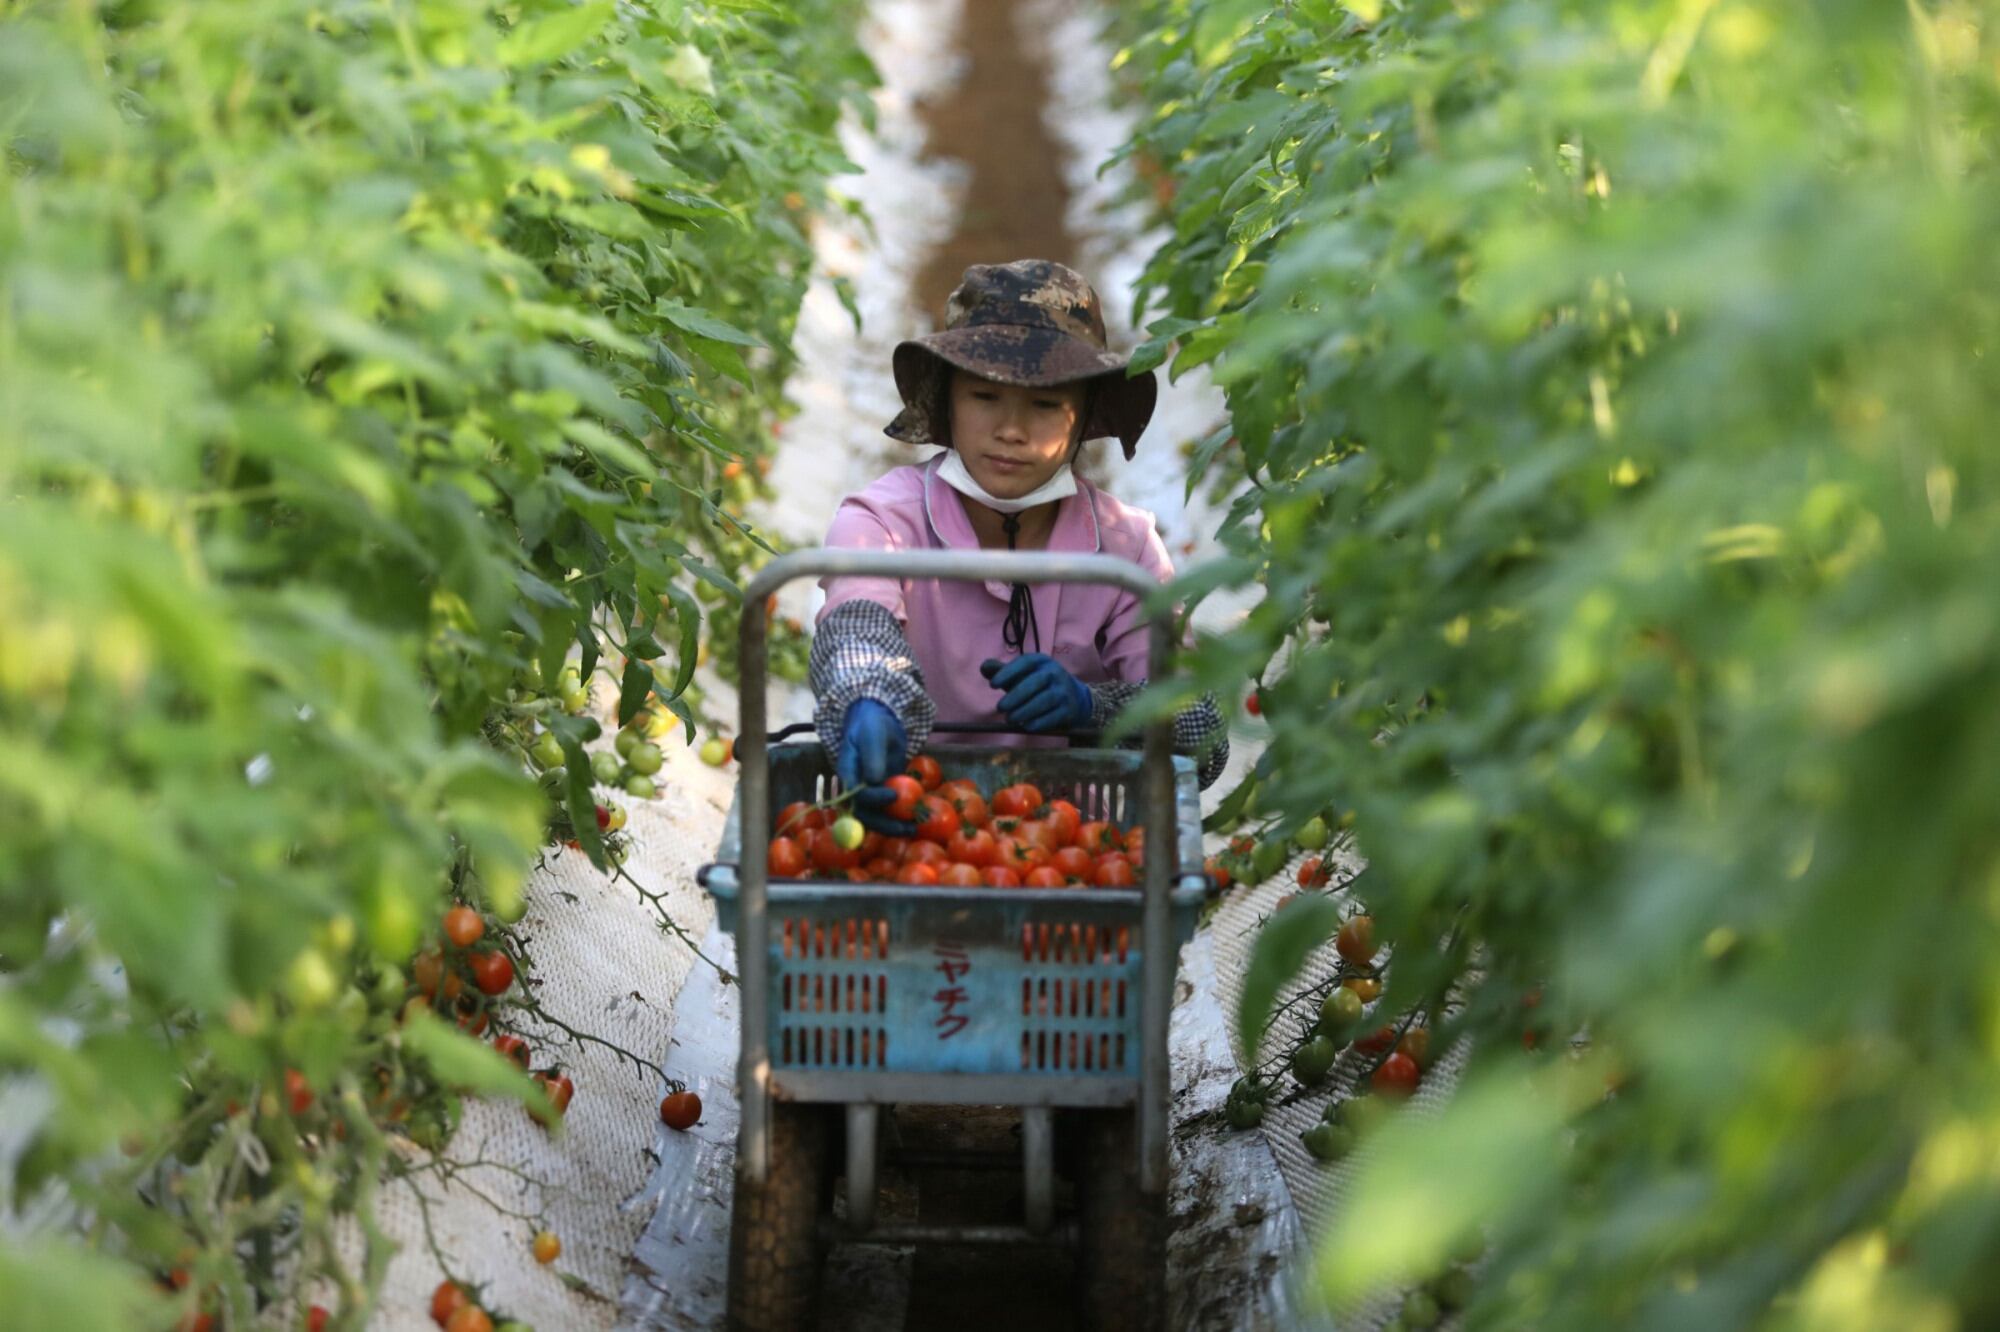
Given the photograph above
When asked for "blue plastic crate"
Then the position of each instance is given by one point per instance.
(894, 992)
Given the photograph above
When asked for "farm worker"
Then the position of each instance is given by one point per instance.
(1011, 388)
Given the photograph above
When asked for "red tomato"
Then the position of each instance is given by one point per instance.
(1074, 864)
(427, 970)
(463, 926)
(316, 1319)
(829, 859)
(561, 1090)
(972, 810)
(856, 874)
(926, 770)
(1114, 871)
(1037, 833)
(892, 848)
(881, 869)
(798, 816)
(1254, 705)
(513, 1047)
(965, 797)
(1021, 856)
(1313, 873)
(1416, 1043)
(1396, 1077)
(908, 792)
(917, 873)
(958, 874)
(999, 876)
(784, 859)
(1043, 876)
(977, 848)
(1218, 872)
(927, 853)
(492, 972)
(871, 846)
(471, 1318)
(680, 1110)
(446, 1300)
(1356, 941)
(1017, 801)
(1376, 1041)
(939, 821)
(298, 1093)
(1065, 818)
(1099, 837)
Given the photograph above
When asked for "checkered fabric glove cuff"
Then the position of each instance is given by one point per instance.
(1199, 732)
(859, 651)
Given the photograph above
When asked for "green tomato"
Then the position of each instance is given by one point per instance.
(714, 753)
(605, 767)
(392, 924)
(1328, 1142)
(848, 832)
(1242, 1113)
(1454, 1289)
(1420, 1310)
(352, 1009)
(1339, 1011)
(533, 674)
(1312, 837)
(575, 700)
(309, 981)
(1311, 1061)
(640, 788)
(1364, 1114)
(1266, 860)
(616, 820)
(646, 759)
(657, 724)
(547, 751)
(628, 739)
(388, 985)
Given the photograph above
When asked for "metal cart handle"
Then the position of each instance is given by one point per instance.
(1156, 778)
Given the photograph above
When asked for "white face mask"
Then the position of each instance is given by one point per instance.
(953, 473)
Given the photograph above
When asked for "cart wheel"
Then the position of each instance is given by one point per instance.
(774, 1246)
(1122, 1253)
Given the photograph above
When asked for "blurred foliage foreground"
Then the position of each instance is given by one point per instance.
(1614, 419)
(360, 363)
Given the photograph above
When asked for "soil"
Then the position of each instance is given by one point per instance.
(991, 121)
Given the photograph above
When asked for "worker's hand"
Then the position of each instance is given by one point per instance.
(872, 750)
(1041, 695)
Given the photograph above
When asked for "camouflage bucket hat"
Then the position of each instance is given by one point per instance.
(1033, 323)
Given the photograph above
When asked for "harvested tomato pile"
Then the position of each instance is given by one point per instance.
(1019, 840)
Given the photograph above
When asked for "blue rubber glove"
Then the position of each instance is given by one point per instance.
(872, 750)
(1041, 695)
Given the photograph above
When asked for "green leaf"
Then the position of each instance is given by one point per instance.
(541, 40)
(687, 620)
(1283, 945)
(633, 689)
(703, 324)
(461, 1061)
(50, 1284)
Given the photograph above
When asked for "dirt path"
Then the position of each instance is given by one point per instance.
(992, 122)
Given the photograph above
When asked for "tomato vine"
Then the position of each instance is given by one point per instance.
(367, 365)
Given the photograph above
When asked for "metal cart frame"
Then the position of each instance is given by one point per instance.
(1164, 902)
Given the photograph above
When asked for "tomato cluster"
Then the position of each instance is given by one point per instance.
(1017, 840)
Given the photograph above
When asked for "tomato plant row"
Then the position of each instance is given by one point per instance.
(363, 365)
(1610, 396)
